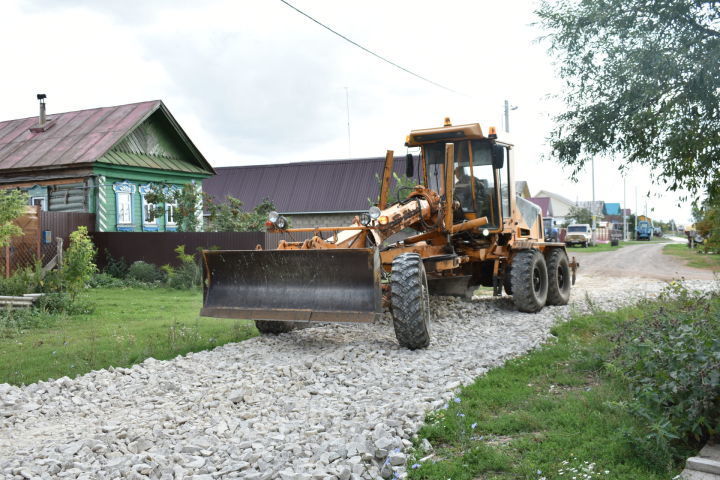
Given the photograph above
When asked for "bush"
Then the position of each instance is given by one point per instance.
(60, 302)
(187, 275)
(25, 280)
(78, 267)
(116, 267)
(144, 272)
(670, 359)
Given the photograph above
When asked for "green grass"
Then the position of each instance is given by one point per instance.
(126, 327)
(694, 257)
(541, 415)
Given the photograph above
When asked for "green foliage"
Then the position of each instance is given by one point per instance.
(116, 267)
(641, 84)
(708, 225)
(78, 267)
(144, 272)
(669, 356)
(399, 189)
(579, 215)
(187, 275)
(230, 216)
(12, 206)
(188, 201)
(24, 280)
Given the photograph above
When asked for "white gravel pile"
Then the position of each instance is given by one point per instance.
(329, 402)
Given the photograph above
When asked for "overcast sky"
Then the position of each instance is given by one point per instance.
(255, 82)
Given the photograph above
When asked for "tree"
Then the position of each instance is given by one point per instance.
(399, 189)
(579, 215)
(78, 266)
(230, 216)
(12, 205)
(641, 81)
(186, 201)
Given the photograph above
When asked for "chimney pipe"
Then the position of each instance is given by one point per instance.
(41, 97)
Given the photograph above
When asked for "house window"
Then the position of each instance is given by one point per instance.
(170, 221)
(148, 210)
(123, 202)
(39, 201)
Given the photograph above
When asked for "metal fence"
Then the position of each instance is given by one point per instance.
(159, 247)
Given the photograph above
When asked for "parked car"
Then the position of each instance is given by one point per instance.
(578, 234)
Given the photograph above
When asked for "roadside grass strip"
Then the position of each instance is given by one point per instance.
(560, 412)
(126, 327)
(694, 257)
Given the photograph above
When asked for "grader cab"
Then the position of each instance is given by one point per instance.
(471, 230)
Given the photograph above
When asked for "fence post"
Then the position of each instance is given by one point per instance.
(59, 241)
(7, 261)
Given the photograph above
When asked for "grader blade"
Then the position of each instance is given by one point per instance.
(324, 285)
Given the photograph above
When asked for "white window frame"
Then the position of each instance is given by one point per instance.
(124, 195)
(43, 203)
(150, 225)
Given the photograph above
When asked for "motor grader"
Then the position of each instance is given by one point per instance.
(468, 229)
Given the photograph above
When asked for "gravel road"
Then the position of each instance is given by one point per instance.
(328, 402)
(639, 261)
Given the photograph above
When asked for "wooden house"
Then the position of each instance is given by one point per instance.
(101, 161)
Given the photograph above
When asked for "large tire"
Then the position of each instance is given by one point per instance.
(410, 301)
(268, 326)
(558, 272)
(529, 281)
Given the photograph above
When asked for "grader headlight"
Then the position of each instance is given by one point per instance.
(374, 213)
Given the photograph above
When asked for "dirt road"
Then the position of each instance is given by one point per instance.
(637, 261)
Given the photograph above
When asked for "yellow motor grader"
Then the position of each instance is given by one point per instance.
(468, 227)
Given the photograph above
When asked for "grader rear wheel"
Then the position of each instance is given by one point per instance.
(410, 301)
(559, 280)
(529, 281)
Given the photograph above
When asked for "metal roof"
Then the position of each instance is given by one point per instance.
(545, 204)
(83, 136)
(305, 187)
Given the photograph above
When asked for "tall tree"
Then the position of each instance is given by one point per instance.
(642, 82)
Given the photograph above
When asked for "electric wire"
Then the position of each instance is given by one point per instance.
(425, 79)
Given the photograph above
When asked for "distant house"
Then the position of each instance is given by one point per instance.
(595, 208)
(312, 194)
(101, 161)
(545, 204)
(559, 205)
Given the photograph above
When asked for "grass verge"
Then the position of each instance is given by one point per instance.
(694, 257)
(126, 327)
(555, 413)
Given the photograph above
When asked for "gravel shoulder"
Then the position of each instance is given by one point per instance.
(328, 402)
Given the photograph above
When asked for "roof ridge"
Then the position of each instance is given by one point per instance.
(308, 162)
(50, 115)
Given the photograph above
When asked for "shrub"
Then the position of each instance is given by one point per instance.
(117, 267)
(78, 266)
(187, 275)
(25, 280)
(670, 359)
(59, 302)
(144, 272)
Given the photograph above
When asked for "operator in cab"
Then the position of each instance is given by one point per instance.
(463, 191)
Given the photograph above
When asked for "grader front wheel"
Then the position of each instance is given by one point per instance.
(410, 301)
(529, 281)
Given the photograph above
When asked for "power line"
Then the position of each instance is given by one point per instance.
(371, 52)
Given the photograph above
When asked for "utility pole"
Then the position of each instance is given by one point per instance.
(592, 207)
(636, 208)
(507, 115)
(624, 210)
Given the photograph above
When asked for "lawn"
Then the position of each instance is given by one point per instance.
(127, 326)
(694, 257)
(551, 414)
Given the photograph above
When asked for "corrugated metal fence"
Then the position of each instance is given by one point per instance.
(158, 247)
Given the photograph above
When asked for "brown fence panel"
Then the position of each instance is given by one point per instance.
(62, 224)
(158, 247)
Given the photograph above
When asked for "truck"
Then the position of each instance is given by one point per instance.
(644, 229)
(578, 234)
(469, 230)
